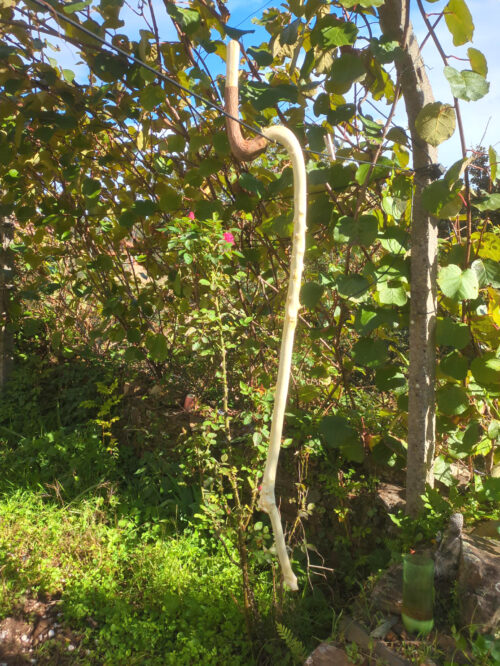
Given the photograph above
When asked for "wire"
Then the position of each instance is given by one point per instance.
(256, 11)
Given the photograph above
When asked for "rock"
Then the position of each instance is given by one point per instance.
(383, 629)
(488, 528)
(391, 496)
(448, 555)
(479, 583)
(356, 633)
(328, 655)
(387, 594)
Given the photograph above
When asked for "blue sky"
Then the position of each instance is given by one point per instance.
(480, 118)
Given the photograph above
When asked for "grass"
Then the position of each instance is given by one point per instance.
(170, 600)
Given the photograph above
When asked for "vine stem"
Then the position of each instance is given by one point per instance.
(461, 132)
(225, 389)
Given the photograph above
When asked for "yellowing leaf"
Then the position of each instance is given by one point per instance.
(459, 21)
(436, 122)
(477, 61)
(490, 247)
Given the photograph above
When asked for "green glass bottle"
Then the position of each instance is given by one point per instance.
(418, 593)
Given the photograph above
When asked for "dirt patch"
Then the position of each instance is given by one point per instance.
(36, 623)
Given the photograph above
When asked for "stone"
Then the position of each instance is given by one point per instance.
(488, 528)
(391, 497)
(387, 594)
(328, 655)
(479, 583)
(448, 555)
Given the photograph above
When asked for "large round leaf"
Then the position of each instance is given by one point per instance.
(436, 122)
(452, 400)
(466, 85)
(339, 434)
(369, 352)
(454, 365)
(362, 231)
(452, 333)
(156, 345)
(457, 284)
(352, 286)
(486, 369)
(310, 294)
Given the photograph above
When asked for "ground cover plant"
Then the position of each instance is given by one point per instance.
(143, 282)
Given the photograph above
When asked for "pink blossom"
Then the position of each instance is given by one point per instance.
(228, 237)
(191, 215)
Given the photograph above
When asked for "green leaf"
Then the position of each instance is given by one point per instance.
(452, 400)
(466, 85)
(488, 202)
(310, 294)
(473, 434)
(385, 50)
(452, 333)
(156, 345)
(442, 471)
(290, 33)
(250, 183)
(367, 320)
(330, 32)
(436, 123)
(347, 68)
(389, 378)
(188, 19)
(362, 231)
(369, 352)
(494, 430)
(486, 369)
(457, 284)
(91, 188)
(381, 170)
(264, 96)
(392, 292)
(262, 56)
(68, 75)
(456, 170)
(454, 365)
(339, 434)
(439, 200)
(349, 4)
(341, 114)
(352, 286)
(235, 33)
(459, 21)
(477, 61)
(152, 96)
(72, 7)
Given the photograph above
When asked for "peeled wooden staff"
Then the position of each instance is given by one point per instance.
(247, 150)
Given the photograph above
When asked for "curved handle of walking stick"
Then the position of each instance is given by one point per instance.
(285, 137)
(244, 150)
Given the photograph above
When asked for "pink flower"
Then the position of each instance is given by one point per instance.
(228, 237)
(191, 215)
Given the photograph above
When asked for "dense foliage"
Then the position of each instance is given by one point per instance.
(150, 265)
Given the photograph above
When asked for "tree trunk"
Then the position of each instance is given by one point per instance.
(417, 92)
(6, 276)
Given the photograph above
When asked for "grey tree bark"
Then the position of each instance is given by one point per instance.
(6, 278)
(417, 92)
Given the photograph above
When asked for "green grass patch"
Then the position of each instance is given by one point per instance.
(171, 600)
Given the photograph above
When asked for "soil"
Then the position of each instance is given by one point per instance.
(34, 635)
